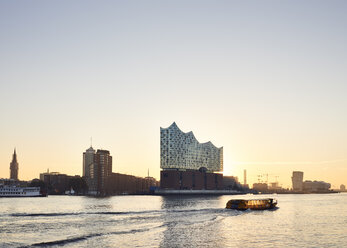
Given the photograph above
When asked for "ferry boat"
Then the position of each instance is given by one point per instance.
(14, 191)
(254, 204)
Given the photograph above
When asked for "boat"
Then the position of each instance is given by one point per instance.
(70, 192)
(253, 204)
(14, 191)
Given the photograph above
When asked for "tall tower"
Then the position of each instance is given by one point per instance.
(103, 163)
(245, 177)
(14, 166)
(89, 169)
(88, 160)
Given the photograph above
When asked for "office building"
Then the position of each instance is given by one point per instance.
(297, 180)
(89, 170)
(88, 161)
(103, 163)
(97, 168)
(316, 186)
(308, 186)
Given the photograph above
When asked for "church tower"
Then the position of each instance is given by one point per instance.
(14, 167)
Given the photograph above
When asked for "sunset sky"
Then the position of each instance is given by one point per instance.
(267, 80)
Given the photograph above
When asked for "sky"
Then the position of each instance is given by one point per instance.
(266, 80)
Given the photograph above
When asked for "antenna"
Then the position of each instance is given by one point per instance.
(91, 141)
(148, 172)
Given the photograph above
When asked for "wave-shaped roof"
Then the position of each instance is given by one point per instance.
(190, 133)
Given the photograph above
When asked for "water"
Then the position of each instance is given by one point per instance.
(155, 221)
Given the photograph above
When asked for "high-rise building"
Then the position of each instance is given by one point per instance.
(89, 170)
(14, 167)
(88, 163)
(179, 150)
(103, 163)
(97, 167)
(297, 180)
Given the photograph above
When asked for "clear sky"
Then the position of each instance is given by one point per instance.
(266, 80)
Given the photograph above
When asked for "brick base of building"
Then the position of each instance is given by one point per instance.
(190, 180)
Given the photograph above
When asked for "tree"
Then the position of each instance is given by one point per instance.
(38, 183)
(78, 184)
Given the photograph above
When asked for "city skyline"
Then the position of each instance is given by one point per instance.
(266, 177)
(265, 80)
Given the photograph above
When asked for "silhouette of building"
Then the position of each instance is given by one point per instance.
(12, 182)
(231, 182)
(127, 184)
(14, 167)
(316, 186)
(103, 163)
(299, 185)
(56, 183)
(97, 168)
(97, 172)
(188, 164)
(190, 180)
(262, 187)
(274, 186)
(88, 161)
(342, 187)
(297, 180)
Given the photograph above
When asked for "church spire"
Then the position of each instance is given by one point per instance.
(14, 159)
(14, 166)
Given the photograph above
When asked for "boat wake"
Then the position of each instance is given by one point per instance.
(85, 237)
(207, 210)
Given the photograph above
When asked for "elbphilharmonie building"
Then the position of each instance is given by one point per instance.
(182, 151)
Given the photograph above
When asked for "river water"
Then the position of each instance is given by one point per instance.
(318, 220)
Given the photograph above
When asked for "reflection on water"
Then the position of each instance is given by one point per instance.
(182, 202)
(154, 221)
(190, 224)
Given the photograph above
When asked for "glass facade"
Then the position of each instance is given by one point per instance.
(179, 150)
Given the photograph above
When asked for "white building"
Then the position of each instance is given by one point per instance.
(179, 150)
